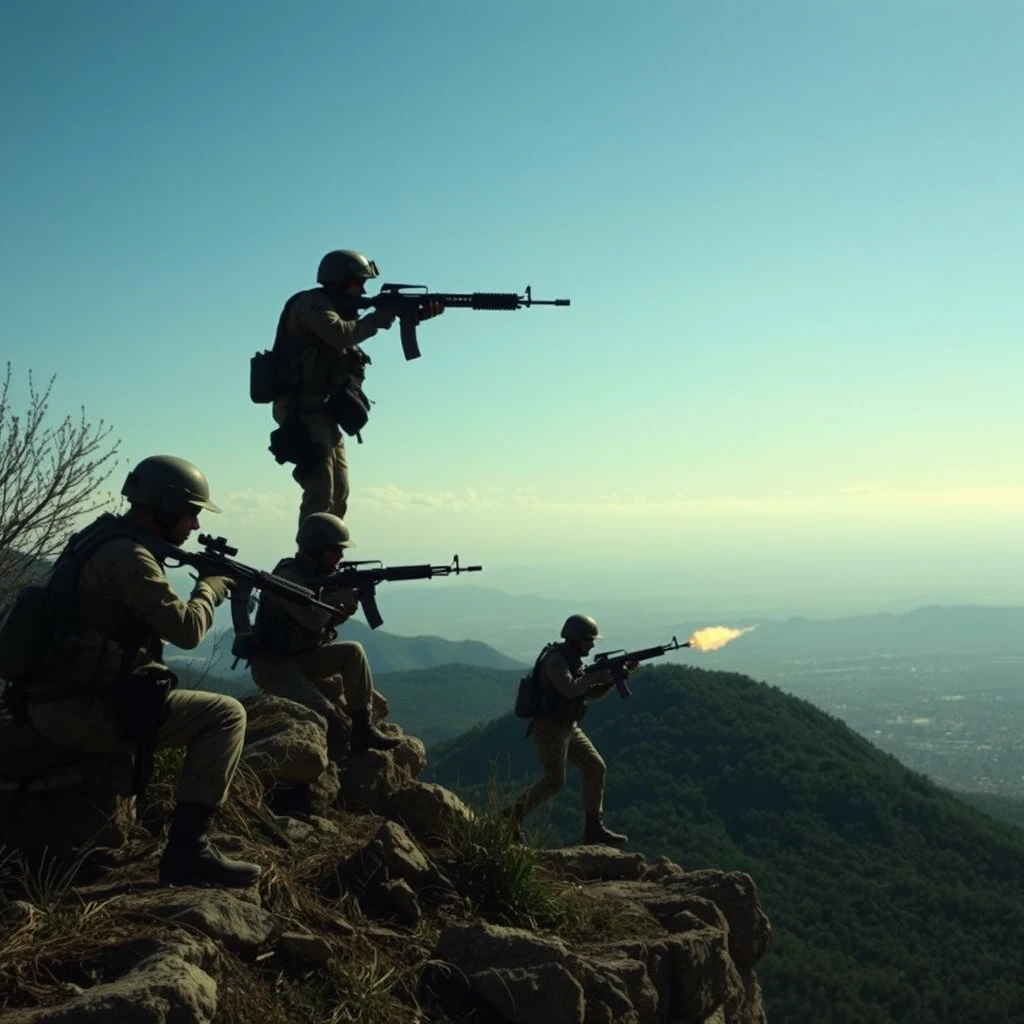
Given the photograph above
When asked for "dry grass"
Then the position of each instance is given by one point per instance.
(376, 971)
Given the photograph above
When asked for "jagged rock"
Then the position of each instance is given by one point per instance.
(285, 741)
(661, 869)
(238, 924)
(528, 979)
(369, 780)
(427, 808)
(312, 949)
(398, 893)
(593, 863)
(322, 795)
(735, 894)
(297, 832)
(410, 755)
(704, 975)
(168, 986)
(267, 715)
(393, 854)
(615, 978)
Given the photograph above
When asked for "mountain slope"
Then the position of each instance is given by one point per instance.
(388, 652)
(891, 900)
(438, 703)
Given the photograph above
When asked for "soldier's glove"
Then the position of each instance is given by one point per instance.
(218, 586)
(430, 309)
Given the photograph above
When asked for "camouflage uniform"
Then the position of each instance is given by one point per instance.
(123, 594)
(557, 733)
(327, 342)
(299, 659)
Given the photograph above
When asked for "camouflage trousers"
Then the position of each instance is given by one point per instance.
(320, 680)
(210, 727)
(324, 479)
(559, 743)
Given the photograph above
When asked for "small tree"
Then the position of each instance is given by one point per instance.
(50, 477)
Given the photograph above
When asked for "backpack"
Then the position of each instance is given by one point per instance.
(269, 376)
(41, 615)
(527, 703)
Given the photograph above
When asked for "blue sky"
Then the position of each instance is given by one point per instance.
(791, 233)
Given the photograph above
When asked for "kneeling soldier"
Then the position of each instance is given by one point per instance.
(563, 690)
(123, 599)
(297, 657)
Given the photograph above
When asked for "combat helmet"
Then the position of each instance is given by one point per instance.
(341, 265)
(580, 627)
(323, 530)
(168, 484)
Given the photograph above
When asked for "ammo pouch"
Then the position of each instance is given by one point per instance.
(140, 707)
(89, 660)
(266, 382)
(24, 632)
(349, 408)
(291, 442)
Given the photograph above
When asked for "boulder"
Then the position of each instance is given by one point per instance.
(169, 985)
(237, 924)
(427, 808)
(369, 780)
(285, 742)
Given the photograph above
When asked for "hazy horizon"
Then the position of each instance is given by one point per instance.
(788, 378)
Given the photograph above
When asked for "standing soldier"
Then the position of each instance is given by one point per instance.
(321, 368)
(123, 599)
(563, 690)
(297, 657)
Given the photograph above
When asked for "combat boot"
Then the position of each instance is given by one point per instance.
(595, 832)
(514, 817)
(191, 859)
(366, 736)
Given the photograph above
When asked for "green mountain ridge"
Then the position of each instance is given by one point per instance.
(388, 652)
(891, 899)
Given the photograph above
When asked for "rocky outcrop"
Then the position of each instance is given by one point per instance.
(57, 800)
(689, 956)
(375, 845)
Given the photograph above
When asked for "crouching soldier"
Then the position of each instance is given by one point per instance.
(563, 688)
(297, 656)
(122, 609)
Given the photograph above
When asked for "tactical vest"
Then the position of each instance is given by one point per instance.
(277, 632)
(311, 371)
(35, 635)
(553, 703)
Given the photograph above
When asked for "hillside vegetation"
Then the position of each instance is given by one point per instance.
(891, 899)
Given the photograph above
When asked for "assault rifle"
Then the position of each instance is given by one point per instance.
(621, 663)
(217, 559)
(364, 581)
(406, 301)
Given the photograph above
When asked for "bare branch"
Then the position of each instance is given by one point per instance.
(50, 478)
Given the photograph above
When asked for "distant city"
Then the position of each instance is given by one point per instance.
(960, 722)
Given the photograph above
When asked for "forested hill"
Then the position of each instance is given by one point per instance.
(891, 899)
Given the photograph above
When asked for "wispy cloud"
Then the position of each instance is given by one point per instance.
(248, 508)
